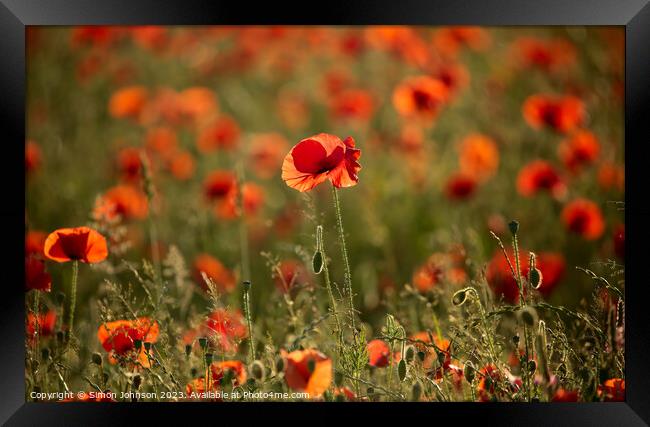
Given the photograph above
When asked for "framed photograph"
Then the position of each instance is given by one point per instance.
(397, 208)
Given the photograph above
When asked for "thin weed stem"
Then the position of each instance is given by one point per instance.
(73, 300)
(247, 309)
(346, 263)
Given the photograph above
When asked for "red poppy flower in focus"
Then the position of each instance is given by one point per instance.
(560, 113)
(35, 275)
(299, 376)
(124, 200)
(223, 133)
(76, 244)
(612, 390)
(46, 323)
(320, 157)
(460, 187)
(223, 278)
(32, 156)
(35, 242)
(581, 149)
(584, 217)
(500, 280)
(563, 395)
(118, 337)
(540, 175)
(421, 97)
(378, 353)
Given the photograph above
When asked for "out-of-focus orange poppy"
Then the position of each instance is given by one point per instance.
(562, 114)
(118, 337)
(46, 322)
(403, 42)
(36, 277)
(223, 328)
(378, 353)
(223, 278)
(420, 97)
(356, 104)
(129, 164)
(453, 75)
(490, 377)
(448, 41)
(612, 390)
(460, 186)
(266, 153)
(222, 133)
(547, 55)
(443, 345)
(581, 149)
(35, 242)
(440, 267)
(235, 367)
(75, 244)
(320, 157)
(289, 274)
(197, 103)
(611, 176)
(94, 35)
(308, 371)
(540, 175)
(124, 200)
(182, 165)
(563, 395)
(128, 102)
(478, 156)
(152, 37)
(293, 109)
(33, 157)
(161, 141)
(219, 185)
(499, 277)
(585, 218)
(619, 241)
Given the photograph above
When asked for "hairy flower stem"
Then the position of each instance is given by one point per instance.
(243, 231)
(37, 324)
(73, 300)
(333, 307)
(522, 303)
(346, 263)
(247, 309)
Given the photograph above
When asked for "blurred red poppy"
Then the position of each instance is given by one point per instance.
(611, 176)
(223, 278)
(450, 40)
(223, 328)
(36, 278)
(266, 153)
(222, 133)
(161, 141)
(46, 322)
(612, 390)
(35, 242)
(355, 104)
(547, 55)
(460, 186)
(478, 156)
(308, 370)
(33, 157)
(378, 353)
(219, 185)
(619, 241)
(420, 97)
(118, 337)
(540, 175)
(562, 114)
(128, 102)
(584, 218)
(581, 149)
(76, 244)
(563, 395)
(320, 157)
(129, 164)
(125, 201)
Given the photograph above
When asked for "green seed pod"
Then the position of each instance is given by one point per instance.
(246, 285)
(193, 372)
(279, 365)
(532, 367)
(257, 370)
(513, 226)
(401, 369)
(338, 378)
(459, 297)
(469, 372)
(203, 342)
(421, 356)
(409, 354)
(317, 262)
(311, 365)
(97, 359)
(137, 344)
(137, 380)
(536, 278)
(208, 358)
(416, 391)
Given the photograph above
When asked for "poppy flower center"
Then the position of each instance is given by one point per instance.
(423, 100)
(311, 157)
(74, 245)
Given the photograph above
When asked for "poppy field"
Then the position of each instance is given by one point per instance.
(368, 214)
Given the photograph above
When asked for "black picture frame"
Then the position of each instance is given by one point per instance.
(634, 15)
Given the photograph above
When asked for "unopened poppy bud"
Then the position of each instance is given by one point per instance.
(416, 391)
(311, 365)
(188, 349)
(279, 364)
(257, 370)
(97, 359)
(208, 358)
(247, 285)
(317, 262)
(409, 354)
(338, 378)
(401, 369)
(203, 342)
(532, 366)
(536, 278)
(421, 356)
(513, 226)
(528, 315)
(137, 380)
(137, 344)
(469, 372)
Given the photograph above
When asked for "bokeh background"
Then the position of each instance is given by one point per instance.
(435, 179)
